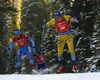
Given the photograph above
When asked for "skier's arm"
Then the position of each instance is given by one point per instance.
(33, 45)
(51, 22)
(11, 45)
(71, 18)
(30, 39)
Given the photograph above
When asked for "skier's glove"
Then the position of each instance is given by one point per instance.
(71, 15)
(8, 49)
(43, 26)
(35, 55)
(33, 49)
(68, 12)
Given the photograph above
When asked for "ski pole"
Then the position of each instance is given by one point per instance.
(44, 21)
(54, 3)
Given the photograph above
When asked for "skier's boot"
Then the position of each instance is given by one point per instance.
(17, 71)
(33, 70)
(60, 68)
(74, 67)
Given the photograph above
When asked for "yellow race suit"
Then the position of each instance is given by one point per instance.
(64, 35)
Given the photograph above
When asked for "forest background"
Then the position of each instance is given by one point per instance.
(28, 15)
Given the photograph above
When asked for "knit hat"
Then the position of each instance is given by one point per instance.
(41, 49)
(17, 31)
(57, 13)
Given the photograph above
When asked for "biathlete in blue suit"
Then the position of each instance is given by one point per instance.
(24, 46)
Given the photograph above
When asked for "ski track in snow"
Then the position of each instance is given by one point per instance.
(66, 76)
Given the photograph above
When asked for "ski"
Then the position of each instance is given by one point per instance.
(34, 71)
(17, 71)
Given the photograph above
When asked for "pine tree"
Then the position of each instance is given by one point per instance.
(6, 10)
(95, 43)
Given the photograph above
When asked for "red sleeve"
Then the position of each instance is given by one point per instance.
(14, 39)
(25, 36)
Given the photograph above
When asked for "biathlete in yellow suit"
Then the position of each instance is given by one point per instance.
(64, 34)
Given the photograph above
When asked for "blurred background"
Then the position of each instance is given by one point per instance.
(28, 15)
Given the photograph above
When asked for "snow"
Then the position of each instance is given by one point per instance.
(66, 76)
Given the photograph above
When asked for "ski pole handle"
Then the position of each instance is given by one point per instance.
(54, 5)
(44, 24)
(68, 12)
(44, 21)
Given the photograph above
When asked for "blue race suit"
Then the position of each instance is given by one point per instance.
(23, 47)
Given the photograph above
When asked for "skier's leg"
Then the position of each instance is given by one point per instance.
(44, 66)
(19, 56)
(71, 49)
(61, 43)
(45, 70)
(60, 46)
(29, 54)
(38, 68)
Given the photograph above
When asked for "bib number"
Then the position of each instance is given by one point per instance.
(62, 28)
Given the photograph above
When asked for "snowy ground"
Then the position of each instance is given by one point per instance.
(68, 76)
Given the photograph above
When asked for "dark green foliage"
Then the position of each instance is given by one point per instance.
(5, 65)
(86, 33)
